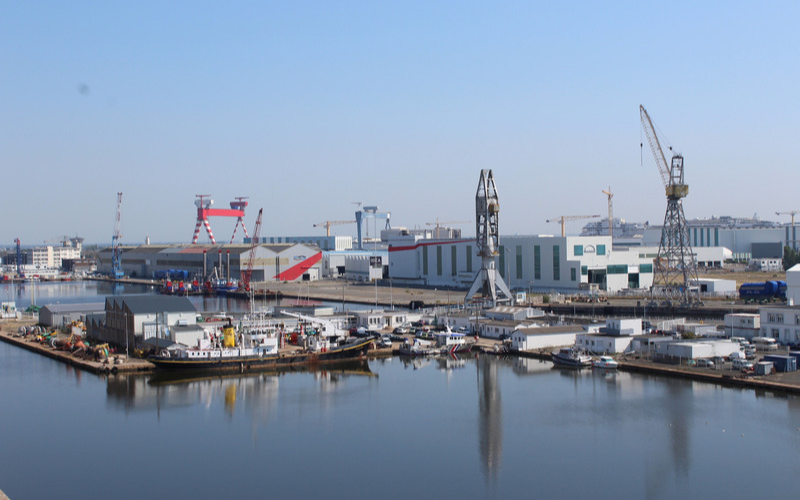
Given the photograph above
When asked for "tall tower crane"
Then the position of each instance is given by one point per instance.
(438, 224)
(487, 212)
(116, 254)
(329, 223)
(247, 274)
(794, 232)
(675, 268)
(564, 218)
(610, 195)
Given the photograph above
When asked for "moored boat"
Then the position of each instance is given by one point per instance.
(228, 354)
(605, 363)
(571, 357)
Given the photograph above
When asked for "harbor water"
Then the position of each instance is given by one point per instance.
(478, 427)
(468, 428)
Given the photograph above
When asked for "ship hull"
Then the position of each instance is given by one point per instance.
(241, 363)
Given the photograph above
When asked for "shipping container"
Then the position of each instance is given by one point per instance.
(782, 363)
(764, 368)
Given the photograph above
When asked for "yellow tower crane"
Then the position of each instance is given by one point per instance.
(564, 218)
(329, 223)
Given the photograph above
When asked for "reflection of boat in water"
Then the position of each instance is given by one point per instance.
(605, 363)
(262, 354)
(571, 357)
(352, 367)
(416, 347)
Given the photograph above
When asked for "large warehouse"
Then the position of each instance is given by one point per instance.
(541, 263)
(279, 262)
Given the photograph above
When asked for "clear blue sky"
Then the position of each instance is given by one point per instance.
(306, 107)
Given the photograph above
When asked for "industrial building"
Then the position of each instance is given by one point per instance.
(541, 263)
(56, 315)
(132, 319)
(278, 262)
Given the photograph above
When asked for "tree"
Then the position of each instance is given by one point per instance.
(790, 257)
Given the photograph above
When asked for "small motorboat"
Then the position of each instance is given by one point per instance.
(605, 363)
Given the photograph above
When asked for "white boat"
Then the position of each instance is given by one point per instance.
(606, 363)
(571, 357)
(451, 342)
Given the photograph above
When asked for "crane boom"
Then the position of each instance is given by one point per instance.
(564, 218)
(248, 273)
(655, 146)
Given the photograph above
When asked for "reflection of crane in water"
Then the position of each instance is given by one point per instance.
(490, 420)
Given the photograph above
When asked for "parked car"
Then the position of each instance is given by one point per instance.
(705, 363)
(385, 342)
(743, 365)
(402, 330)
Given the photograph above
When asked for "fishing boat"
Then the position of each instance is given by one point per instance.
(605, 363)
(571, 357)
(258, 350)
(451, 342)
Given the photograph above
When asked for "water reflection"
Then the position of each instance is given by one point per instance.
(253, 392)
(490, 418)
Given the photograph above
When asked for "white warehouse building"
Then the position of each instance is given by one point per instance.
(540, 262)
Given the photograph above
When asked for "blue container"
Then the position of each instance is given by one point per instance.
(782, 363)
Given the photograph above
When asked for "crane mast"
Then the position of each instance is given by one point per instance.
(116, 254)
(675, 267)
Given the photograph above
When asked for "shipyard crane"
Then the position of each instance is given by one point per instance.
(564, 218)
(20, 269)
(610, 195)
(204, 211)
(370, 212)
(487, 216)
(329, 223)
(239, 204)
(116, 253)
(675, 267)
(438, 224)
(251, 257)
(791, 213)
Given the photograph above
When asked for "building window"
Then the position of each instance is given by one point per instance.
(454, 259)
(572, 274)
(537, 262)
(518, 264)
(577, 250)
(645, 268)
(469, 258)
(425, 260)
(584, 270)
(601, 249)
(438, 260)
(556, 263)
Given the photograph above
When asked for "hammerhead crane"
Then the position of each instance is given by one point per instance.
(675, 268)
(564, 218)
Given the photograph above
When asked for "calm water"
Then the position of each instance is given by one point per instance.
(467, 429)
(44, 293)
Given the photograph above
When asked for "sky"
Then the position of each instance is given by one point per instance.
(307, 108)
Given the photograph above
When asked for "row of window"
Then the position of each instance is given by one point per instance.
(578, 250)
(778, 318)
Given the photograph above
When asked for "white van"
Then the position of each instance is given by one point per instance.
(765, 344)
(740, 340)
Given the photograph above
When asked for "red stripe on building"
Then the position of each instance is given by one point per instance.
(414, 247)
(298, 270)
